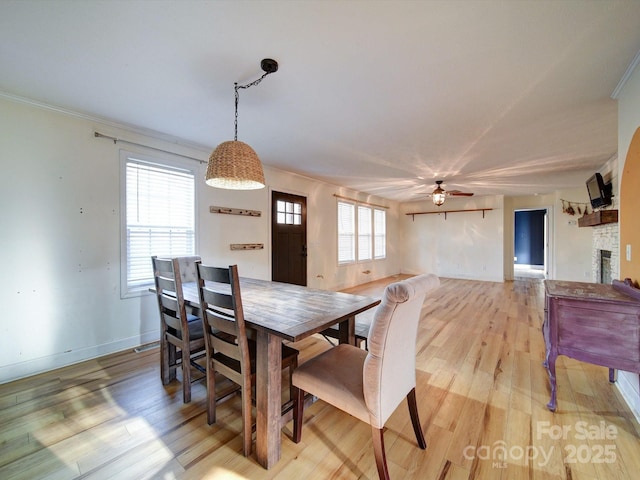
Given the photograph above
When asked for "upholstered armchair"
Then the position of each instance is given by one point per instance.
(370, 385)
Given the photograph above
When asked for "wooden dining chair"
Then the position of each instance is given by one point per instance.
(228, 349)
(371, 384)
(181, 337)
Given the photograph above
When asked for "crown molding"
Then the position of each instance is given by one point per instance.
(632, 66)
(109, 123)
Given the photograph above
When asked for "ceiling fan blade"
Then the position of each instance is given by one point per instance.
(458, 193)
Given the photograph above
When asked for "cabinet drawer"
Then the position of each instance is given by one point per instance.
(601, 332)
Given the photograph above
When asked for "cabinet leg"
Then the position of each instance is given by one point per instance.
(551, 369)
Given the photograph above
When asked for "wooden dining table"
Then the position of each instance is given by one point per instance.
(281, 311)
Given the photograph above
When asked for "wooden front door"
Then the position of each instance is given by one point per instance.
(288, 238)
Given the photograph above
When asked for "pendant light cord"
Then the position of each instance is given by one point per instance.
(236, 88)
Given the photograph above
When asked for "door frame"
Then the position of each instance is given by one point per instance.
(549, 257)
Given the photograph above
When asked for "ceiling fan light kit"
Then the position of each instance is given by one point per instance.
(234, 165)
(438, 196)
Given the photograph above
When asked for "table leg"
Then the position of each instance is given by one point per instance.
(268, 398)
(347, 329)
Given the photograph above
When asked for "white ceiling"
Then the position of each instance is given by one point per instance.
(385, 97)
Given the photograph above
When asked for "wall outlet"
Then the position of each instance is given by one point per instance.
(628, 252)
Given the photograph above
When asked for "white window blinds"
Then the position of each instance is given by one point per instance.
(346, 232)
(380, 229)
(362, 233)
(160, 217)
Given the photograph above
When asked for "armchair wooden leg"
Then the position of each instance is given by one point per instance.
(298, 412)
(413, 412)
(378, 451)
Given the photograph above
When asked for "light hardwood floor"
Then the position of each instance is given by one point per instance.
(481, 391)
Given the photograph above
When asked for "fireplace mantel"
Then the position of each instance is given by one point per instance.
(601, 217)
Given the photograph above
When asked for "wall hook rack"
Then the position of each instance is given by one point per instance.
(235, 211)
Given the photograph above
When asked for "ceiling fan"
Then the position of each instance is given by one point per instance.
(439, 195)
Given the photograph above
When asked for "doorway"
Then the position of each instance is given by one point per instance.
(288, 238)
(530, 243)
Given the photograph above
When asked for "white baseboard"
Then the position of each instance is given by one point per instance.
(627, 384)
(27, 368)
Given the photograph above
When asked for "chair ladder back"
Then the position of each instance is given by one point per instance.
(166, 284)
(229, 352)
(181, 339)
(169, 292)
(172, 321)
(225, 331)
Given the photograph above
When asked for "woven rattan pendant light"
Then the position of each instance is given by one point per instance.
(234, 165)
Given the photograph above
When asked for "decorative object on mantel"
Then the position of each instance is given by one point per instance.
(413, 214)
(571, 208)
(246, 246)
(235, 211)
(235, 165)
(599, 217)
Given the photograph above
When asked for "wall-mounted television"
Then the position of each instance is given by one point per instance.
(600, 193)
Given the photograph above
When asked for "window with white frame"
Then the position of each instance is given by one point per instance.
(346, 232)
(380, 236)
(158, 216)
(362, 233)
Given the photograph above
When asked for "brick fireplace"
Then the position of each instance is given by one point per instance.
(605, 261)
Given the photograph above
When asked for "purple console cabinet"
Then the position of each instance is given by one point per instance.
(593, 323)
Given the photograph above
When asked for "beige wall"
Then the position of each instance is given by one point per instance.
(462, 245)
(630, 211)
(466, 245)
(60, 238)
(629, 180)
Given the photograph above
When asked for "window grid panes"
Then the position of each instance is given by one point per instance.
(288, 213)
(160, 217)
